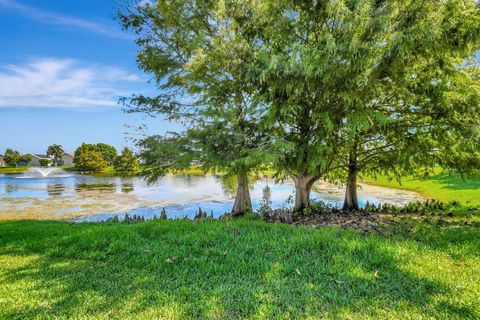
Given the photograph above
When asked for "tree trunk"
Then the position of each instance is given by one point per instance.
(243, 203)
(303, 186)
(351, 198)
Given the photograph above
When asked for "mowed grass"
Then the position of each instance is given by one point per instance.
(441, 186)
(109, 170)
(9, 170)
(240, 269)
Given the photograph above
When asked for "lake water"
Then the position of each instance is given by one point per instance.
(93, 198)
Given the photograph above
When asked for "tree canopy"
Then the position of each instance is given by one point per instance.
(126, 162)
(12, 157)
(87, 158)
(108, 152)
(55, 151)
(323, 89)
(193, 50)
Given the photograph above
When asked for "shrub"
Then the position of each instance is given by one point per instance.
(44, 162)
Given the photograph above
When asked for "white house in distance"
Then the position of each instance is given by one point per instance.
(36, 158)
(2, 161)
(67, 160)
(35, 162)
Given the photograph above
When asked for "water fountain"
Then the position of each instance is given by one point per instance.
(50, 172)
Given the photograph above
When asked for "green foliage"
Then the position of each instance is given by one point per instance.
(44, 162)
(265, 210)
(86, 158)
(12, 157)
(199, 61)
(371, 82)
(428, 207)
(108, 152)
(161, 155)
(369, 86)
(126, 162)
(56, 151)
(316, 89)
(25, 159)
(193, 51)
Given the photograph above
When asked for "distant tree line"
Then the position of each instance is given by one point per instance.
(13, 158)
(315, 89)
(87, 157)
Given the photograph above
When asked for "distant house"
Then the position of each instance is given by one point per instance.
(67, 160)
(35, 161)
(2, 161)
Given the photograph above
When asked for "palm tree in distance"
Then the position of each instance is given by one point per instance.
(55, 151)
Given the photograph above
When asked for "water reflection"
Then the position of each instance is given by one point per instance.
(229, 183)
(11, 188)
(127, 187)
(103, 187)
(180, 194)
(55, 189)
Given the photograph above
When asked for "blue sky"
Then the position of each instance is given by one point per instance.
(63, 66)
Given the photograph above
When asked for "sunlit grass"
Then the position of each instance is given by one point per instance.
(441, 186)
(13, 169)
(240, 269)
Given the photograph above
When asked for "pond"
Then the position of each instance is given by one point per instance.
(92, 198)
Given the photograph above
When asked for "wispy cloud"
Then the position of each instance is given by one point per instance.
(54, 18)
(64, 83)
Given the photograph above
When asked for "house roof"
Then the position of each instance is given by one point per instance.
(40, 156)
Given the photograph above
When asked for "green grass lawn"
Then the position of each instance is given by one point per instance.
(10, 170)
(441, 186)
(181, 269)
(13, 169)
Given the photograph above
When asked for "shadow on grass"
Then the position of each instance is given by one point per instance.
(458, 237)
(208, 270)
(456, 182)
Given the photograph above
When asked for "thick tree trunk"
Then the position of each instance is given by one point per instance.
(243, 202)
(351, 198)
(303, 186)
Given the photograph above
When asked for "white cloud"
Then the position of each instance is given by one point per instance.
(64, 83)
(48, 17)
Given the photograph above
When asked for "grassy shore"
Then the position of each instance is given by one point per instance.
(441, 186)
(240, 269)
(12, 170)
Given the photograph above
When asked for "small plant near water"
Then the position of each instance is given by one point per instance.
(127, 219)
(266, 203)
(320, 208)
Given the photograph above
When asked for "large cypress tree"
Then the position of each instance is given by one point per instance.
(421, 99)
(199, 62)
(362, 85)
